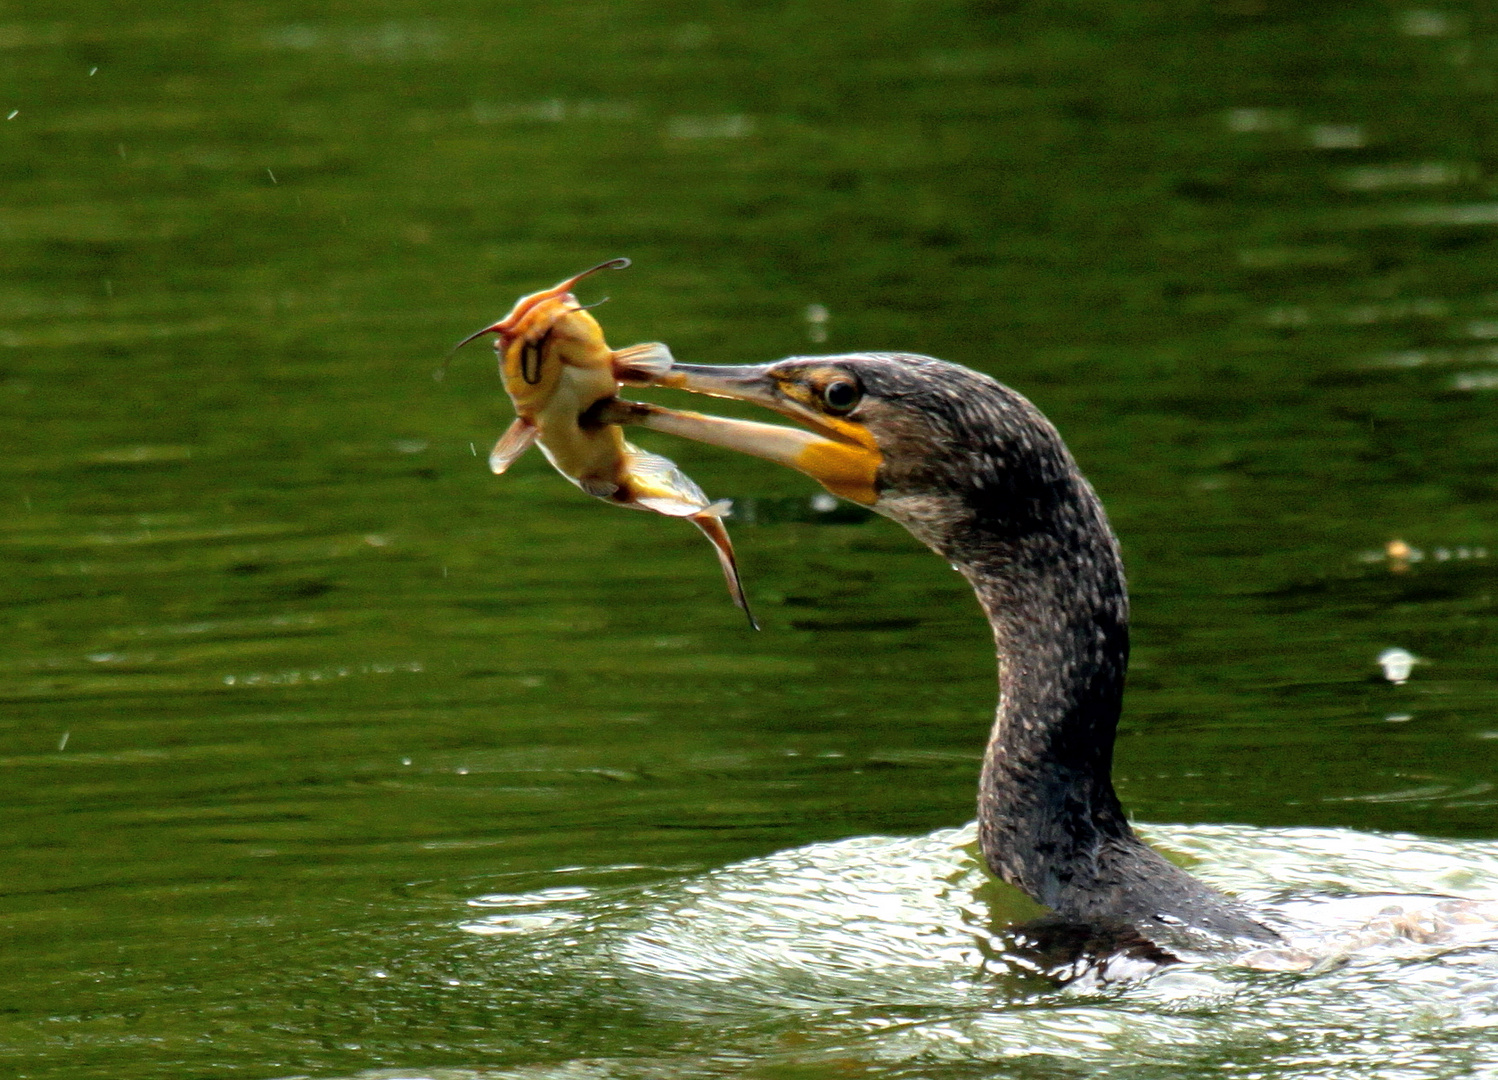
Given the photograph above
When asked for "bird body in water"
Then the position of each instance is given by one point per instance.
(974, 471)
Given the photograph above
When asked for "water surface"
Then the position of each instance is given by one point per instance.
(291, 681)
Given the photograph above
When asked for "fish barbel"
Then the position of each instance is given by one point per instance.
(559, 370)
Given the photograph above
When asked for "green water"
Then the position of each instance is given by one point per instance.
(289, 679)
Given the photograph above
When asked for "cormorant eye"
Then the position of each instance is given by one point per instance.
(841, 395)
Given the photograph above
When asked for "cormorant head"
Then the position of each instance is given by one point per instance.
(920, 440)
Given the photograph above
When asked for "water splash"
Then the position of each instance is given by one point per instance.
(883, 955)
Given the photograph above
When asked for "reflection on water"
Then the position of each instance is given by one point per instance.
(294, 688)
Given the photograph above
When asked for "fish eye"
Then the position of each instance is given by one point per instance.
(841, 395)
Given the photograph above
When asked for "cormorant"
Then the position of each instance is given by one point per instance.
(976, 473)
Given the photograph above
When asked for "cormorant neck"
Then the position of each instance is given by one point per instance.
(1039, 553)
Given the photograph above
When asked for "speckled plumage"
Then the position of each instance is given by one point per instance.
(975, 472)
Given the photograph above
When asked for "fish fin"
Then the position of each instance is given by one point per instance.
(665, 504)
(641, 365)
(712, 528)
(514, 442)
(657, 484)
(599, 489)
(721, 509)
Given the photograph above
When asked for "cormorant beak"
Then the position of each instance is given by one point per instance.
(840, 454)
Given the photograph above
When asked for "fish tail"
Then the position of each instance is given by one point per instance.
(713, 528)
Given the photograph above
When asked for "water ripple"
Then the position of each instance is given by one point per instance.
(886, 949)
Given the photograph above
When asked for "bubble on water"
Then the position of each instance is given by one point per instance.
(1397, 664)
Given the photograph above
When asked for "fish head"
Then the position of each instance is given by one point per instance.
(542, 332)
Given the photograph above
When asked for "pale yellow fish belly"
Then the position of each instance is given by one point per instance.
(594, 454)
